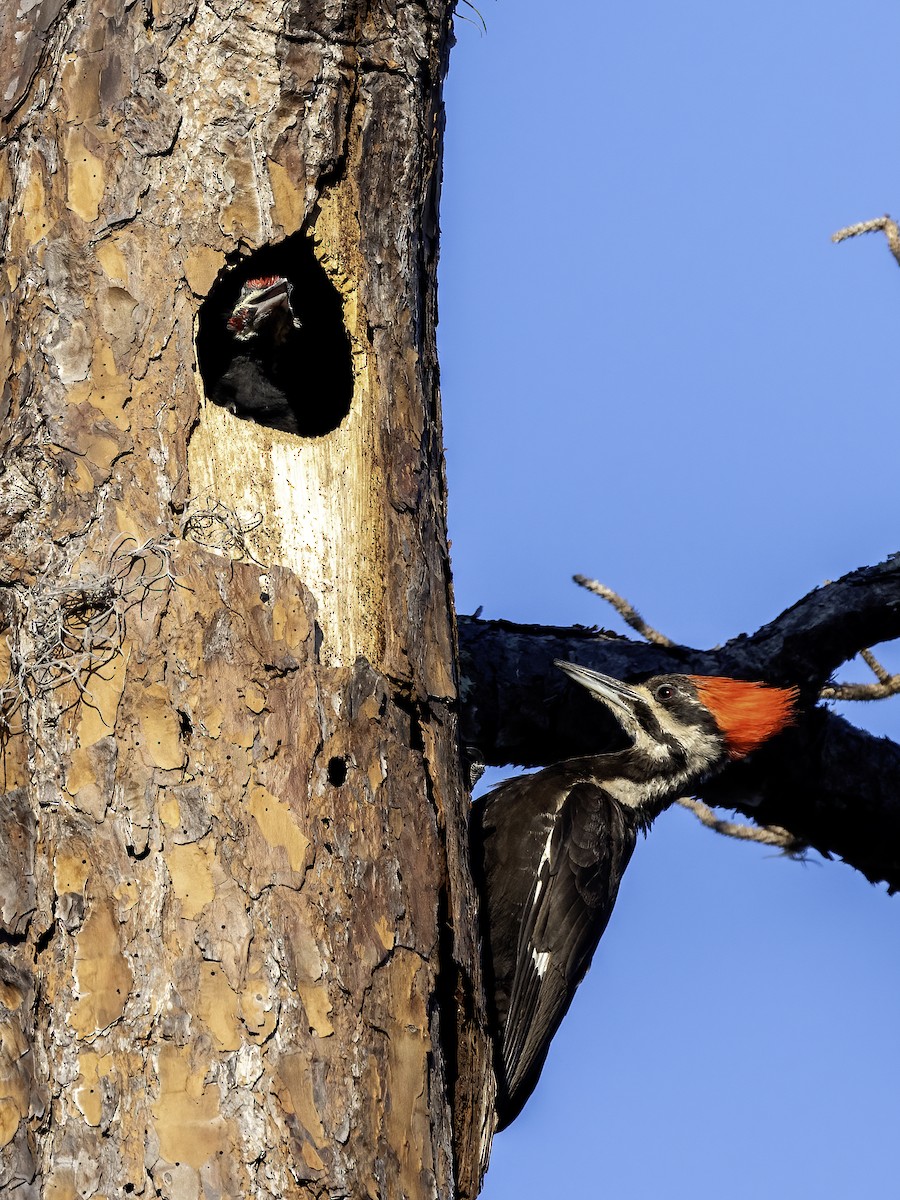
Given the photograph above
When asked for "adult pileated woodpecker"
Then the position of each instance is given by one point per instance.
(261, 380)
(550, 848)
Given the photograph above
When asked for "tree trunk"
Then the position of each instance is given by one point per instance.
(239, 936)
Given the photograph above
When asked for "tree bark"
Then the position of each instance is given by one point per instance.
(240, 956)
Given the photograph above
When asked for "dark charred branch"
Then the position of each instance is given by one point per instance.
(831, 624)
(832, 785)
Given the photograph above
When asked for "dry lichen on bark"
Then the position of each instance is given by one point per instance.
(237, 912)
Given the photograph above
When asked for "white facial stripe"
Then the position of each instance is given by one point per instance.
(654, 750)
(702, 746)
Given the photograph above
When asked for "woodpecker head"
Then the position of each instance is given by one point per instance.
(697, 721)
(263, 301)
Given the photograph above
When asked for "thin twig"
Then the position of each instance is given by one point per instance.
(626, 611)
(883, 224)
(862, 691)
(878, 669)
(767, 835)
(887, 685)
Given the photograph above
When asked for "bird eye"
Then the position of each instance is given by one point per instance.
(664, 692)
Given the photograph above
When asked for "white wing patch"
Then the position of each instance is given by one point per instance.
(541, 958)
(541, 962)
(545, 855)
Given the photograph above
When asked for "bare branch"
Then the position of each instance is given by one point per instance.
(887, 685)
(828, 627)
(862, 691)
(883, 224)
(767, 835)
(881, 672)
(626, 611)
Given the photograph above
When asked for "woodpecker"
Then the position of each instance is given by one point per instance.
(260, 381)
(549, 849)
(262, 301)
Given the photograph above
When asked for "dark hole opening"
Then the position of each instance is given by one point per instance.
(337, 771)
(299, 380)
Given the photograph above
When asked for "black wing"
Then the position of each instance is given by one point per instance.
(542, 940)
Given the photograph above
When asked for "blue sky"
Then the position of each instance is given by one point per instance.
(658, 370)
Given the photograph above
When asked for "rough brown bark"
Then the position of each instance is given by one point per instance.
(240, 957)
(834, 787)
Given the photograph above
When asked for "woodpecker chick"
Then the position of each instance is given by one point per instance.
(261, 301)
(549, 849)
(262, 380)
